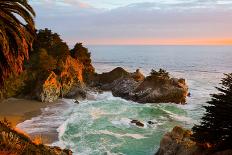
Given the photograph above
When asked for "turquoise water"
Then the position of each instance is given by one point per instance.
(101, 124)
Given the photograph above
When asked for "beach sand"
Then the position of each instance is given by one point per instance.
(19, 110)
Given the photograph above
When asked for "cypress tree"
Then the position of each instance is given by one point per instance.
(216, 126)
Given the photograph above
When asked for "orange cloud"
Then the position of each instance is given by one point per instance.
(205, 41)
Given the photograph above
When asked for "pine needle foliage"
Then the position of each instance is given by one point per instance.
(216, 126)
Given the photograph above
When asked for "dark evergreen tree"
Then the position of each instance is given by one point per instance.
(216, 126)
(82, 54)
(52, 43)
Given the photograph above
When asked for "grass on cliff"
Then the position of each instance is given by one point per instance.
(15, 142)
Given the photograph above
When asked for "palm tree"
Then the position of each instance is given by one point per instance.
(17, 31)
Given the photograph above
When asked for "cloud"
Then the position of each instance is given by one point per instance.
(138, 21)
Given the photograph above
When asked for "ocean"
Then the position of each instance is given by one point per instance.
(101, 124)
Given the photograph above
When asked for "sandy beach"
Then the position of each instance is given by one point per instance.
(19, 110)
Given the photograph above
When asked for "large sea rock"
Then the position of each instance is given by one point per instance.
(179, 142)
(136, 87)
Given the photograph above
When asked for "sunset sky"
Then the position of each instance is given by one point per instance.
(143, 22)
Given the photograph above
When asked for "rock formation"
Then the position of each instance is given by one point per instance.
(50, 89)
(136, 87)
(179, 142)
(63, 85)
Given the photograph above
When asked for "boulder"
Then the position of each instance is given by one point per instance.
(150, 122)
(138, 123)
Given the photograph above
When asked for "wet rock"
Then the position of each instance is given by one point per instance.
(150, 122)
(77, 92)
(138, 123)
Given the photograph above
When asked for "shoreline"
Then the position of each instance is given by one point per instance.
(17, 111)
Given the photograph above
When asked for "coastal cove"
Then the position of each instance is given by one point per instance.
(101, 124)
(134, 77)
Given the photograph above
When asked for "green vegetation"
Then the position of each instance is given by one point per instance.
(81, 53)
(49, 54)
(161, 73)
(160, 77)
(52, 43)
(13, 142)
(42, 62)
(216, 126)
(16, 36)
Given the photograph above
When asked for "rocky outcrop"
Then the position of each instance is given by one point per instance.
(136, 87)
(50, 89)
(109, 77)
(63, 85)
(71, 75)
(179, 142)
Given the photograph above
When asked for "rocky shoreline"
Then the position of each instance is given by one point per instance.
(130, 86)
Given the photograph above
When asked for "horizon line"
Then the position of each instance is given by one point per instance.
(157, 44)
(161, 42)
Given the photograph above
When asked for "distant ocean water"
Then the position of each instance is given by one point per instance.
(102, 126)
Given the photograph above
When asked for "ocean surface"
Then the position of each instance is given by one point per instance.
(101, 124)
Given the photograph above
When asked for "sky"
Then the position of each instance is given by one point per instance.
(137, 22)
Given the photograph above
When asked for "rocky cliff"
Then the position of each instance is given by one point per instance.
(179, 142)
(135, 86)
(55, 86)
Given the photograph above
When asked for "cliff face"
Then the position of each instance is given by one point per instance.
(50, 89)
(178, 142)
(55, 86)
(71, 75)
(135, 86)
